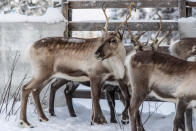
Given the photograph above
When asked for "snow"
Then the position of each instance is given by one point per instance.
(63, 122)
(187, 27)
(192, 0)
(52, 15)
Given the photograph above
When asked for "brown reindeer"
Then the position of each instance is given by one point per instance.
(95, 60)
(164, 76)
(184, 49)
(109, 88)
(167, 77)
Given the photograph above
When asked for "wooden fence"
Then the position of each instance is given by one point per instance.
(184, 8)
(69, 5)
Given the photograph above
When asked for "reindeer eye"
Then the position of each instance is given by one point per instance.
(113, 40)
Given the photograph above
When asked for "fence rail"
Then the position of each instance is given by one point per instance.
(88, 4)
(87, 95)
(133, 25)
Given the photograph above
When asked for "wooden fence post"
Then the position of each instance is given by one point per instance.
(182, 8)
(67, 13)
(188, 11)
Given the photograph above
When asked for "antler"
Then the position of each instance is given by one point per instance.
(155, 44)
(127, 18)
(138, 45)
(107, 19)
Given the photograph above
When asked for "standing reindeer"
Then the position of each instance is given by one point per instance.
(109, 88)
(95, 60)
(164, 76)
(184, 49)
(167, 77)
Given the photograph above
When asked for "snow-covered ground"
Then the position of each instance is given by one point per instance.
(63, 122)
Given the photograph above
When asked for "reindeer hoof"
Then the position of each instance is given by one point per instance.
(140, 128)
(125, 122)
(73, 115)
(99, 120)
(52, 114)
(113, 121)
(43, 119)
(24, 124)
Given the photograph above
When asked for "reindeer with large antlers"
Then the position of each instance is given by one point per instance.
(164, 76)
(95, 60)
(184, 49)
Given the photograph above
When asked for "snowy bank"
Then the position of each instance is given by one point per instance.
(63, 122)
(187, 27)
(52, 15)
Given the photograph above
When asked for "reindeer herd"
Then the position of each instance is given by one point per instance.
(104, 63)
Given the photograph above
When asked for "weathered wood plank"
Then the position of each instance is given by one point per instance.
(87, 95)
(191, 3)
(86, 4)
(182, 8)
(133, 25)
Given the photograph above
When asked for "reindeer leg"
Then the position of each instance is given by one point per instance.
(69, 90)
(134, 113)
(33, 84)
(188, 118)
(179, 123)
(126, 96)
(110, 94)
(36, 97)
(125, 116)
(139, 122)
(54, 87)
(23, 118)
(97, 116)
(139, 93)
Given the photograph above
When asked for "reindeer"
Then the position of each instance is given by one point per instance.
(169, 78)
(184, 49)
(95, 60)
(161, 75)
(109, 88)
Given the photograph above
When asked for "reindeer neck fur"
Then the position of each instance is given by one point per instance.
(166, 76)
(115, 64)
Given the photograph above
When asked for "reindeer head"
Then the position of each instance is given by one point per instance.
(111, 45)
(111, 41)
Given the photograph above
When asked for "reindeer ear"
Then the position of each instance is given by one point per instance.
(120, 34)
